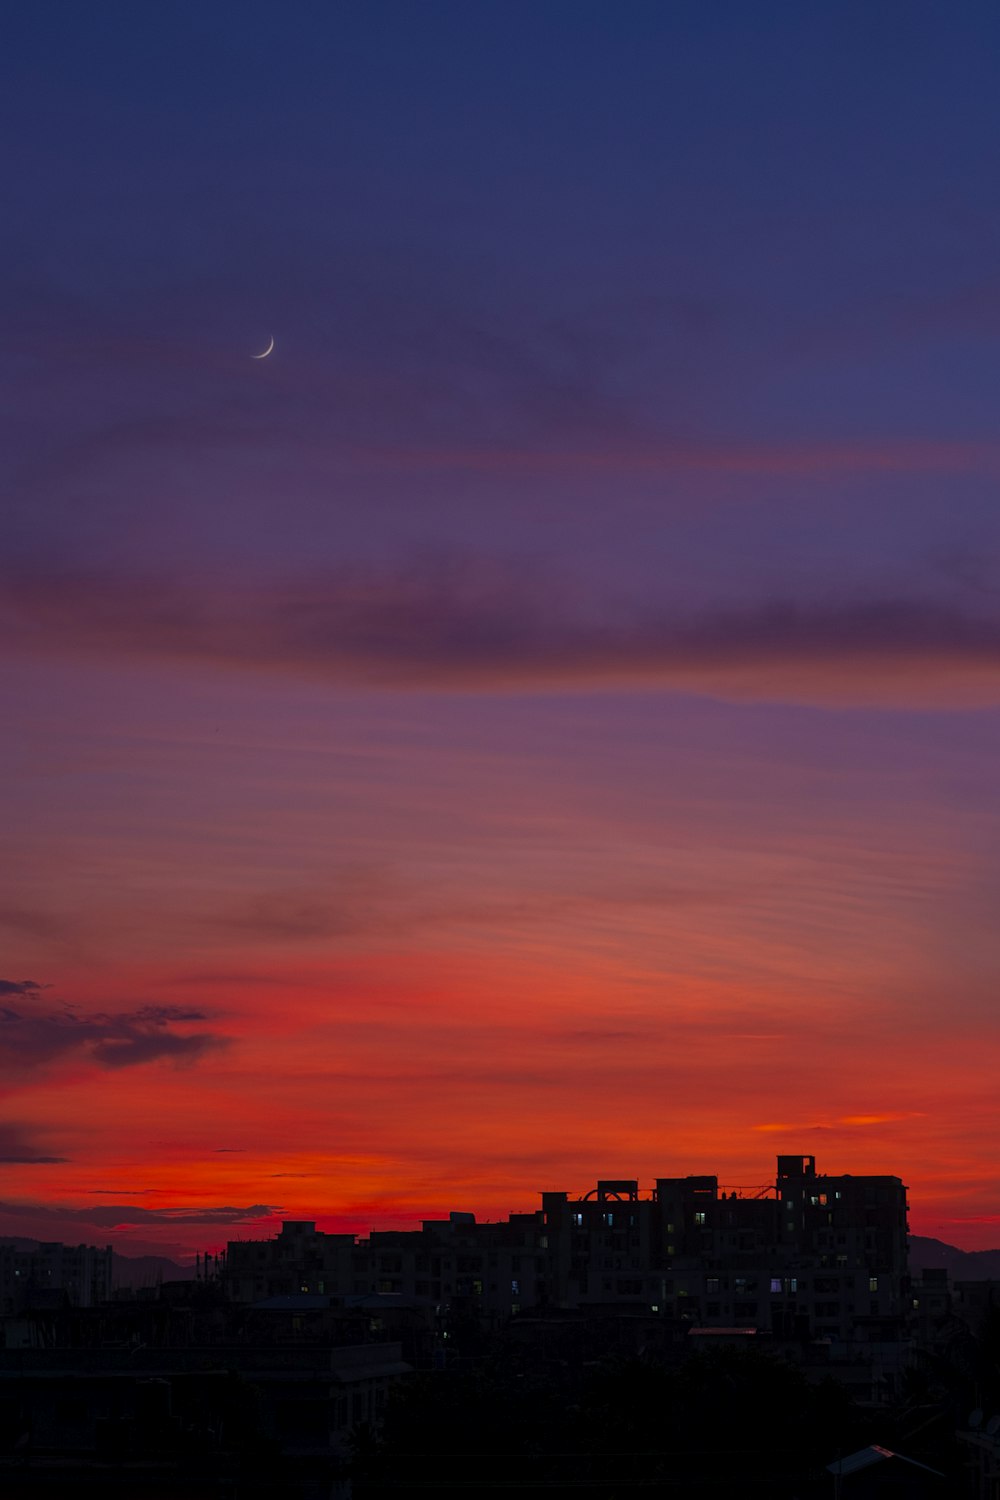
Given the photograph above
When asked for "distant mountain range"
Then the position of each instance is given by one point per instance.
(961, 1265)
(126, 1270)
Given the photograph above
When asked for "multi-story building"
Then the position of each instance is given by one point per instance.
(491, 1271)
(813, 1257)
(82, 1272)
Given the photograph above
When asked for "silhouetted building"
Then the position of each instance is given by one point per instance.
(82, 1273)
(813, 1258)
(492, 1271)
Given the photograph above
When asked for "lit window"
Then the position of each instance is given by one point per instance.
(873, 1283)
(775, 1285)
(515, 1288)
(699, 1217)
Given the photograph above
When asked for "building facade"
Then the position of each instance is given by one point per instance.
(82, 1272)
(814, 1257)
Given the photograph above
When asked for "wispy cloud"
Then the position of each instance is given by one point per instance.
(17, 1146)
(116, 1216)
(120, 1040)
(22, 987)
(454, 629)
(842, 1122)
(775, 460)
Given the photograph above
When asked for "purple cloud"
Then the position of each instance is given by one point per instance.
(453, 629)
(124, 1039)
(115, 1216)
(17, 1146)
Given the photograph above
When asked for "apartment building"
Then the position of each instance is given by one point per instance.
(492, 1271)
(812, 1257)
(82, 1272)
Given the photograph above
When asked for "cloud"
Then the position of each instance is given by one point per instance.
(852, 1122)
(459, 629)
(116, 1216)
(16, 1146)
(124, 1039)
(25, 987)
(771, 460)
(355, 901)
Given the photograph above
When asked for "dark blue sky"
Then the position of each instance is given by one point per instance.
(506, 229)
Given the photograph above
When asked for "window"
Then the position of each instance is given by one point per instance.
(775, 1285)
(873, 1283)
(711, 1284)
(699, 1217)
(515, 1288)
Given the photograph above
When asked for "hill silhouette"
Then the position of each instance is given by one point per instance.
(962, 1265)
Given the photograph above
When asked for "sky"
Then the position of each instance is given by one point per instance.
(543, 721)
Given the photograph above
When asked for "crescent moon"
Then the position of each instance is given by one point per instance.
(266, 351)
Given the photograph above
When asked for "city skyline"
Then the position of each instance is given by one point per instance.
(541, 722)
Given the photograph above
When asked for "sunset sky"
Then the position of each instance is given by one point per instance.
(543, 721)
